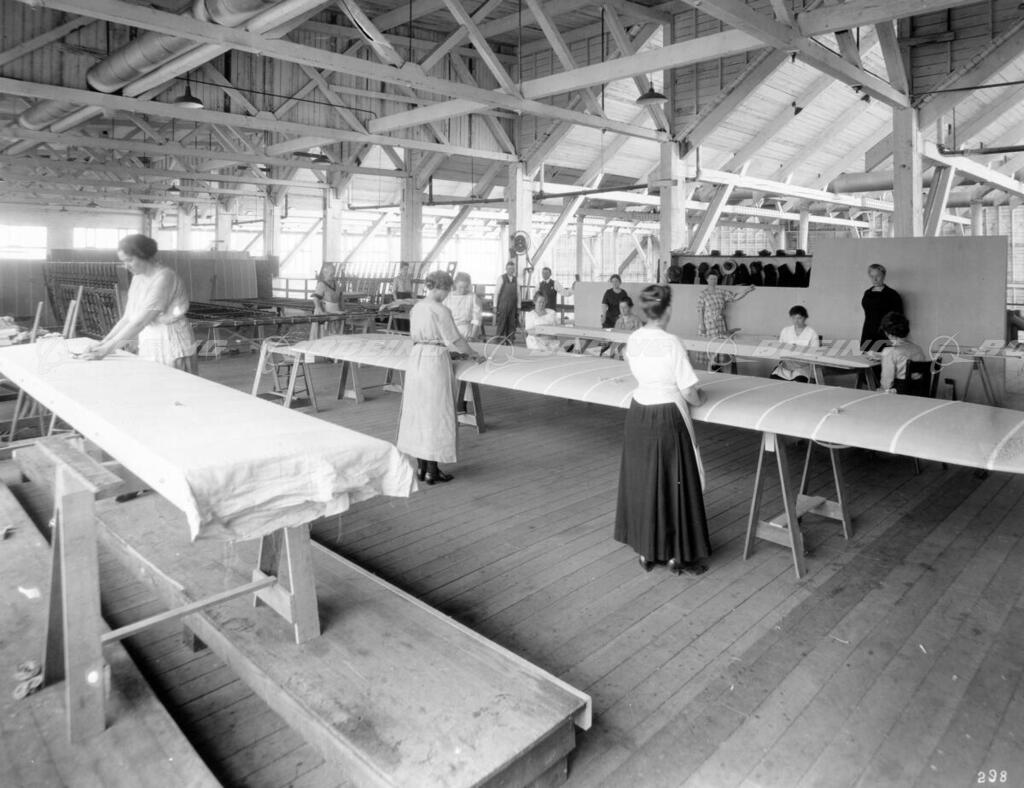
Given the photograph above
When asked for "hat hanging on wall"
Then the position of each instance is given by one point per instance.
(729, 267)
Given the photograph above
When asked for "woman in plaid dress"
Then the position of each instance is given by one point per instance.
(711, 308)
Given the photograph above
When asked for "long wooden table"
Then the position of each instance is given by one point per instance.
(756, 347)
(960, 433)
(237, 467)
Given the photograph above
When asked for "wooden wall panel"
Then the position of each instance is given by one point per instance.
(21, 288)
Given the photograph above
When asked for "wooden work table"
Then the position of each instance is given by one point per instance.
(754, 347)
(940, 430)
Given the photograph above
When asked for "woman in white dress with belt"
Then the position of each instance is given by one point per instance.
(427, 427)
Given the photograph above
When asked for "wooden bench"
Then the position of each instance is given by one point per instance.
(141, 746)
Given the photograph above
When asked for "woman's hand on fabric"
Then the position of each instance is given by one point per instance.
(94, 353)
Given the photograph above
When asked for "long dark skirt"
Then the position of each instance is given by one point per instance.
(660, 511)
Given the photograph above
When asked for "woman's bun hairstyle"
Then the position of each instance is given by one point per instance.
(438, 280)
(654, 300)
(896, 324)
(141, 246)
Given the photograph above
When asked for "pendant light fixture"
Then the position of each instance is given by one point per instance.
(651, 97)
(187, 100)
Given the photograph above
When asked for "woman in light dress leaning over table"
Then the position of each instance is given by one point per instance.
(798, 336)
(427, 426)
(154, 312)
(660, 511)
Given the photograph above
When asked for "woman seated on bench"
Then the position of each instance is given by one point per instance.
(896, 328)
(798, 336)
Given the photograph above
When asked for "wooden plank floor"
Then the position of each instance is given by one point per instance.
(894, 662)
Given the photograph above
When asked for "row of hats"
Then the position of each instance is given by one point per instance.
(763, 253)
(733, 273)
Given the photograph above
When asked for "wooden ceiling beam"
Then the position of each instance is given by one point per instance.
(17, 162)
(221, 158)
(627, 48)
(106, 101)
(55, 34)
(766, 133)
(483, 48)
(1003, 50)
(764, 65)
(562, 53)
(740, 16)
(860, 13)
(1006, 183)
(410, 75)
(492, 123)
(821, 140)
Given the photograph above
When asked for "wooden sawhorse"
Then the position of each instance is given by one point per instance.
(351, 387)
(75, 638)
(784, 528)
(270, 356)
(978, 365)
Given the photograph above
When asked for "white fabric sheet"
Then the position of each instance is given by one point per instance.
(957, 432)
(237, 466)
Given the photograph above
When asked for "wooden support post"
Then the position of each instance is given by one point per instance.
(908, 217)
(288, 551)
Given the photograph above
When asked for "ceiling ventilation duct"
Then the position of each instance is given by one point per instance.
(154, 58)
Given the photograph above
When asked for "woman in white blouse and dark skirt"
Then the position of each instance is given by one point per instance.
(427, 426)
(660, 511)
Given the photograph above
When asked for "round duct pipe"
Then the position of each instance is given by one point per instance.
(151, 50)
(263, 16)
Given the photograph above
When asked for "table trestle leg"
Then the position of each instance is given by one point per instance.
(289, 552)
(73, 651)
(818, 504)
(350, 370)
(783, 529)
(469, 409)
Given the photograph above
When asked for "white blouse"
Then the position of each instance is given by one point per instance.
(466, 311)
(662, 370)
(808, 338)
(540, 342)
(660, 365)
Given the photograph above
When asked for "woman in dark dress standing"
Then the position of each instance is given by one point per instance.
(660, 511)
(506, 304)
(878, 301)
(612, 301)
